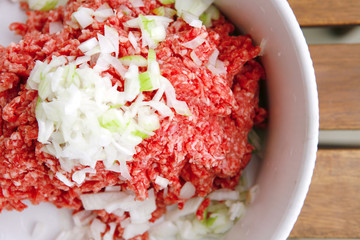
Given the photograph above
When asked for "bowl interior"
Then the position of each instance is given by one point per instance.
(285, 173)
(286, 170)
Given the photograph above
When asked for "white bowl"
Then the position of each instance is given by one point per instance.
(285, 172)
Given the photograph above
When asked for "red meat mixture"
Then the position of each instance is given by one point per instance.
(208, 148)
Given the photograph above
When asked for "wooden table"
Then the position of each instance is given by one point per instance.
(332, 207)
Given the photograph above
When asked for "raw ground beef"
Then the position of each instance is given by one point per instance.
(209, 148)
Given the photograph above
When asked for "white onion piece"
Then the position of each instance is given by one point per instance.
(109, 235)
(106, 46)
(213, 57)
(83, 218)
(137, 3)
(84, 16)
(161, 107)
(195, 58)
(79, 176)
(116, 64)
(55, 27)
(133, 40)
(142, 213)
(192, 44)
(236, 210)
(113, 189)
(218, 69)
(163, 230)
(263, 47)
(44, 5)
(162, 182)
(113, 36)
(97, 228)
(88, 45)
(64, 179)
(98, 201)
(191, 19)
(154, 33)
(187, 191)
(195, 7)
(132, 23)
(224, 194)
(102, 64)
(103, 13)
(82, 59)
(124, 170)
(179, 106)
(133, 230)
(132, 83)
(190, 206)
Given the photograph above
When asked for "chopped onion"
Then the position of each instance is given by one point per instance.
(88, 45)
(190, 206)
(236, 210)
(82, 59)
(105, 44)
(165, 11)
(153, 28)
(179, 106)
(147, 119)
(262, 47)
(224, 194)
(63, 179)
(113, 189)
(102, 200)
(192, 44)
(137, 60)
(45, 5)
(213, 57)
(55, 27)
(187, 191)
(113, 36)
(165, 2)
(212, 13)
(218, 69)
(133, 230)
(133, 40)
(116, 64)
(137, 3)
(163, 230)
(83, 218)
(195, 58)
(109, 235)
(84, 16)
(97, 228)
(191, 19)
(132, 83)
(79, 176)
(194, 7)
(162, 182)
(103, 12)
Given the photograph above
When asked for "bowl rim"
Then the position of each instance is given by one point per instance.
(312, 109)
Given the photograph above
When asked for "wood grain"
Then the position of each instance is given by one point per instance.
(337, 69)
(332, 207)
(326, 12)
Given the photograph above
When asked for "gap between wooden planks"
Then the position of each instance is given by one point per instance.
(332, 207)
(327, 12)
(337, 69)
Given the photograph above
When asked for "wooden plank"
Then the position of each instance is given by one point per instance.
(337, 69)
(325, 13)
(332, 207)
